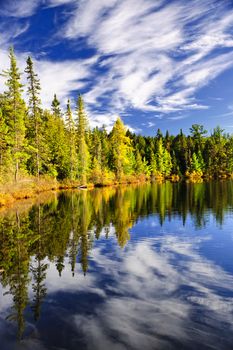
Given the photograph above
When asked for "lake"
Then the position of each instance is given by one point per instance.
(132, 267)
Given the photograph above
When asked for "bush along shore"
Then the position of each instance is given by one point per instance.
(43, 149)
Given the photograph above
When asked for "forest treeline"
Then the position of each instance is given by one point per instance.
(39, 142)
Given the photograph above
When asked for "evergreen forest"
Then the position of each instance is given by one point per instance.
(37, 143)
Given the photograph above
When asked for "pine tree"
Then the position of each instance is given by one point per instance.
(153, 165)
(55, 135)
(35, 134)
(82, 147)
(196, 166)
(56, 107)
(163, 159)
(70, 126)
(96, 154)
(3, 147)
(141, 166)
(15, 112)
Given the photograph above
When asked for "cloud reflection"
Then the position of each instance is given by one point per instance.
(157, 294)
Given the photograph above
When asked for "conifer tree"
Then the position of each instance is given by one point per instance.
(58, 147)
(141, 167)
(153, 165)
(121, 148)
(70, 126)
(82, 147)
(15, 112)
(96, 153)
(35, 112)
(56, 107)
(163, 159)
(195, 165)
(3, 147)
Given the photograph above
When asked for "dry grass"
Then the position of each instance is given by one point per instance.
(25, 188)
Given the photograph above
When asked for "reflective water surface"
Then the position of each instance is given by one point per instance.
(135, 267)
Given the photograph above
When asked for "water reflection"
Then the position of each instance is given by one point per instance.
(169, 288)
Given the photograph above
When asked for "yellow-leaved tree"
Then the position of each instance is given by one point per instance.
(121, 149)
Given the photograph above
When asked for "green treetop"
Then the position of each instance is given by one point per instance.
(56, 106)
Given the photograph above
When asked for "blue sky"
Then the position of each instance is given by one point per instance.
(156, 63)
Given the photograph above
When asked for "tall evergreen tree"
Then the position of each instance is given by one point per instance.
(82, 147)
(15, 112)
(72, 142)
(35, 112)
(3, 147)
(121, 149)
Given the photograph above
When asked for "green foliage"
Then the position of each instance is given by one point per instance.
(38, 142)
(14, 111)
(71, 137)
(55, 106)
(120, 150)
(82, 146)
(35, 127)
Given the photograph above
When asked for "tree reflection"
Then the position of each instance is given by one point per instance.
(67, 227)
(38, 268)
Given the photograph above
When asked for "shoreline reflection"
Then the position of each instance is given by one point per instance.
(158, 292)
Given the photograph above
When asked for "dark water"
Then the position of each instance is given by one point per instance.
(137, 267)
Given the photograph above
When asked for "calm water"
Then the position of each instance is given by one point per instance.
(137, 267)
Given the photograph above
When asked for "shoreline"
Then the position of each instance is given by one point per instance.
(32, 188)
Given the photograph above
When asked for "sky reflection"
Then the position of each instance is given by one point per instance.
(168, 287)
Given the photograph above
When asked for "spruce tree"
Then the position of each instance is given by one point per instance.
(82, 147)
(56, 107)
(35, 112)
(3, 148)
(70, 126)
(15, 112)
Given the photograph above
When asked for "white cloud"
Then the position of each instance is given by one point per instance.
(55, 77)
(62, 77)
(27, 8)
(83, 20)
(54, 3)
(151, 56)
(8, 36)
(142, 296)
(19, 8)
(98, 120)
(201, 73)
(144, 40)
(150, 124)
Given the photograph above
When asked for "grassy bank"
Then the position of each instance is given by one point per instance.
(31, 187)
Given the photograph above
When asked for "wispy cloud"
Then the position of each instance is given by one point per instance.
(160, 54)
(19, 8)
(61, 77)
(150, 56)
(13, 31)
(27, 8)
(177, 117)
(54, 3)
(144, 280)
